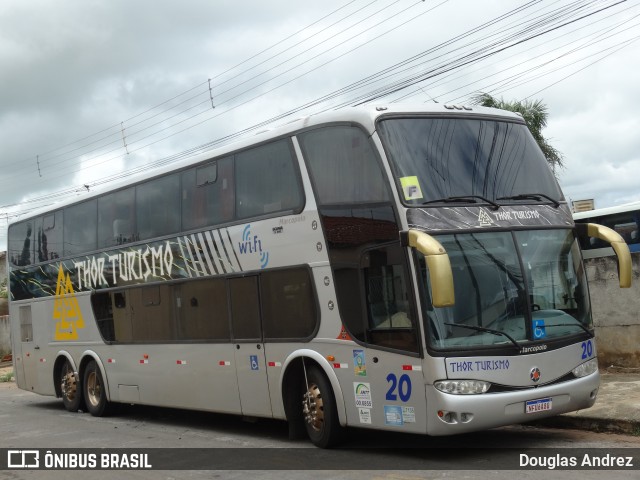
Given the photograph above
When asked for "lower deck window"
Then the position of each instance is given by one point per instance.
(281, 304)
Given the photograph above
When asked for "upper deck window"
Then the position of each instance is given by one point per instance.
(438, 158)
(267, 180)
(344, 166)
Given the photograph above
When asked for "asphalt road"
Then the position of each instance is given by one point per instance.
(30, 421)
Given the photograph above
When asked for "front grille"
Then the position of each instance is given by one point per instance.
(497, 388)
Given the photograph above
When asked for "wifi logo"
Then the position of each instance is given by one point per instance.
(252, 245)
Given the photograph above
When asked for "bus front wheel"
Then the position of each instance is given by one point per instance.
(70, 389)
(319, 410)
(94, 392)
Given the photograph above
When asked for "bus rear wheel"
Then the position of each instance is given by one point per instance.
(319, 410)
(94, 391)
(70, 389)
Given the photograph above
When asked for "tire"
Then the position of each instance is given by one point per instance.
(95, 395)
(70, 387)
(319, 410)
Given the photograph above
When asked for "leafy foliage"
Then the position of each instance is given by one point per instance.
(535, 114)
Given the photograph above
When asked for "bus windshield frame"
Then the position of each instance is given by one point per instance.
(440, 160)
(512, 289)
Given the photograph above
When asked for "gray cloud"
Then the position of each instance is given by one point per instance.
(71, 69)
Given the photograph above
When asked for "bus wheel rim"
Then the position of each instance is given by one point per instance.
(313, 407)
(94, 390)
(69, 385)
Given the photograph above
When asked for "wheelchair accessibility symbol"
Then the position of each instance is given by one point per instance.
(254, 362)
(539, 330)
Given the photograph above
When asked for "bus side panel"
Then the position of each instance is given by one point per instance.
(34, 362)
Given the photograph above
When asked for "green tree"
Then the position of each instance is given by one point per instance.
(535, 114)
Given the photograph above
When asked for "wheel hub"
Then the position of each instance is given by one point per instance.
(94, 390)
(313, 407)
(69, 386)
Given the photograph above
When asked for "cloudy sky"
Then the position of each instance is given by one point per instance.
(93, 90)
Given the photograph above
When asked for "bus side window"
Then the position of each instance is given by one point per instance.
(116, 220)
(49, 236)
(158, 207)
(207, 194)
(267, 180)
(288, 304)
(202, 310)
(344, 166)
(80, 228)
(21, 244)
(389, 314)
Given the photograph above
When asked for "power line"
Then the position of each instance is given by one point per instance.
(235, 135)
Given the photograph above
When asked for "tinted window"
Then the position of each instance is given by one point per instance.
(289, 309)
(389, 320)
(21, 239)
(267, 181)
(49, 236)
(245, 308)
(116, 218)
(344, 166)
(435, 158)
(203, 310)
(158, 207)
(349, 293)
(152, 316)
(207, 194)
(80, 232)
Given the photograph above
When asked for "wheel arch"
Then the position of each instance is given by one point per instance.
(61, 357)
(292, 372)
(88, 356)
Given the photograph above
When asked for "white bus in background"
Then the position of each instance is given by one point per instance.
(401, 268)
(623, 219)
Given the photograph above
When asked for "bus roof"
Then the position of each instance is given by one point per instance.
(600, 212)
(366, 116)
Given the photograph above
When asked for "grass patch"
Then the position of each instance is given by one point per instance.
(7, 377)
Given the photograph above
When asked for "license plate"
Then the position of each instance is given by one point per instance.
(540, 405)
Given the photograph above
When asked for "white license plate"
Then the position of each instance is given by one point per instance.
(540, 405)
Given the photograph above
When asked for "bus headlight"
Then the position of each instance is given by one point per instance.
(586, 368)
(462, 387)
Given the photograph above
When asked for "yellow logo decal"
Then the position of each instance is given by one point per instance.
(66, 309)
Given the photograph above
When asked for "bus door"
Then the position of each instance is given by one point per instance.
(250, 357)
(26, 350)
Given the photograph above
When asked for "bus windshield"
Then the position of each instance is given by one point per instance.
(510, 288)
(440, 159)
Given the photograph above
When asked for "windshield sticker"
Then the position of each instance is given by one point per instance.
(359, 363)
(411, 188)
(538, 329)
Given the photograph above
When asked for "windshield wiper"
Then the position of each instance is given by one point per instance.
(464, 199)
(532, 196)
(488, 330)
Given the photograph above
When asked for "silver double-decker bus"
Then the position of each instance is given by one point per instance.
(403, 268)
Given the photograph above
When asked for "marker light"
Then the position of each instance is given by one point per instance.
(462, 387)
(587, 368)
